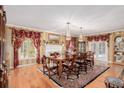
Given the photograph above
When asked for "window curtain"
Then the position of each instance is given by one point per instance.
(98, 38)
(18, 36)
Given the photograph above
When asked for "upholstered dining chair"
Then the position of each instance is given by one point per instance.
(70, 67)
(49, 66)
(115, 82)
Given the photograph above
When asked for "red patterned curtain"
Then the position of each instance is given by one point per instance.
(18, 36)
(98, 38)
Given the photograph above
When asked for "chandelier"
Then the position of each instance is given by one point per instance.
(81, 37)
(68, 34)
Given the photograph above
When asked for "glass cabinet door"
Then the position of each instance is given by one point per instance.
(82, 47)
(119, 50)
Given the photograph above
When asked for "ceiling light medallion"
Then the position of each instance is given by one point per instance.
(68, 33)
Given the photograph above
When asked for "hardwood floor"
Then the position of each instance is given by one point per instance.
(30, 77)
(114, 70)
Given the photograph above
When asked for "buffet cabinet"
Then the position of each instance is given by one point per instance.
(82, 47)
(3, 66)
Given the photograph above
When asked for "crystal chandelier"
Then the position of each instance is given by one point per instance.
(68, 34)
(81, 37)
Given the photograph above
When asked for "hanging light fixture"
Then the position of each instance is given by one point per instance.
(68, 34)
(81, 37)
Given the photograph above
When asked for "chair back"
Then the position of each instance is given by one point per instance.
(45, 60)
(90, 55)
(73, 60)
(55, 54)
(83, 56)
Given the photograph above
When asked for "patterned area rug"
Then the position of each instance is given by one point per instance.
(80, 82)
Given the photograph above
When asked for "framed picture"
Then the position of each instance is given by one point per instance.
(53, 38)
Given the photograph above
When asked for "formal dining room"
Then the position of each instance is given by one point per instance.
(61, 46)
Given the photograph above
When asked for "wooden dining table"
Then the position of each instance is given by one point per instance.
(59, 60)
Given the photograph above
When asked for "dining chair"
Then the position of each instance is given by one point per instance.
(49, 66)
(82, 65)
(90, 59)
(70, 67)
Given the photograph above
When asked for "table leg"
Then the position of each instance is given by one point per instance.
(60, 69)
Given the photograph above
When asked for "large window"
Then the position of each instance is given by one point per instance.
(100, 49)
(27, 50)
(93, 47)
(50, 48)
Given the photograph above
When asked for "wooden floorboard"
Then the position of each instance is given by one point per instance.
(30, 77)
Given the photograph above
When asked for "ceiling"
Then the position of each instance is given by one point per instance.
(94, 19)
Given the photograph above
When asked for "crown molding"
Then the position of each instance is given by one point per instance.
(29, 28)
(106, 32)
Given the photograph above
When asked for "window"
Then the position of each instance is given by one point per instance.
(50, 48)
(100, 49)
(27, 50)
(93, 47)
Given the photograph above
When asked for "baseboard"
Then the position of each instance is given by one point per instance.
(26, 65)
(102, 61)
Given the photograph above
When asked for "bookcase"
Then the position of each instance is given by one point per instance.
(3, 66)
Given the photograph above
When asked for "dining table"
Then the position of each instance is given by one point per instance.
(59, 60)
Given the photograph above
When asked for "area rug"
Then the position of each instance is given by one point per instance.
(83, 80)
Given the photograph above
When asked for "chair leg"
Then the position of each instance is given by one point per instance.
(57, 69)
(80, 68)
(67, 76)
(77, 73)
(68, 73)
(91, 65)
(85, 67)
